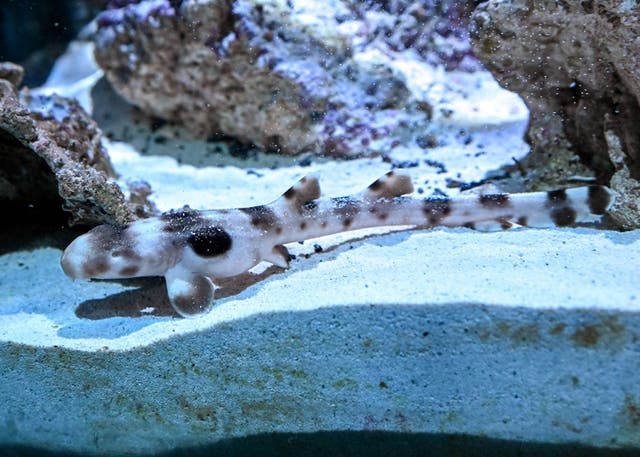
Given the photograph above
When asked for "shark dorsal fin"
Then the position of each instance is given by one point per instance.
(388, 186)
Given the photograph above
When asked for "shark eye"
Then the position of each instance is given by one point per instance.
(209, 241)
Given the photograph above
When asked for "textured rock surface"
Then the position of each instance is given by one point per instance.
(435, 29)
(34, 35)
(626, 210)
(576, 66)
(528, 335)
(290, 76)
(51, 158)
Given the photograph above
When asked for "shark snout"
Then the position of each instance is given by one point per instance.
(73, 259)
(67, 265)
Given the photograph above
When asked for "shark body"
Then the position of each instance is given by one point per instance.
(192, 248)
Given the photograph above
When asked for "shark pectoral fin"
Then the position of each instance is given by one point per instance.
(190, 293)
(279, 256)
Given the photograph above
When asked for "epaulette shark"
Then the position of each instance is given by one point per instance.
(192, 248)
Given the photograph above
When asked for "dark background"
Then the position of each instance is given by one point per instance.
(34, 33)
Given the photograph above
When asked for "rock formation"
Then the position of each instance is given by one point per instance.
(576, 66)
(51, 158)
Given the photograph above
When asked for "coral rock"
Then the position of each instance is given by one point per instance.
(285, 76)
(51, 159)
(572, 64)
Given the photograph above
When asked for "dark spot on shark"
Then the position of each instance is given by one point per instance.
(210, 241)
(556, 196)
(130, 270)
(599, 199)
(563, 216)
(436, 208)
(107, 237)
(346, 208)
(494, 200)
(96, 267)
(182, 220)
(126, 252)
(261, 216)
